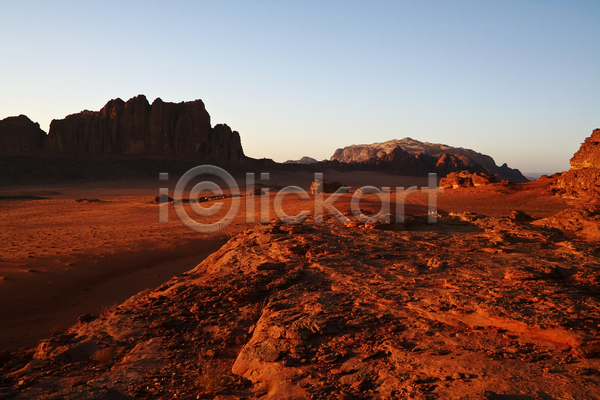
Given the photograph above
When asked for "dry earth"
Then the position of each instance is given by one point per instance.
(474, 307)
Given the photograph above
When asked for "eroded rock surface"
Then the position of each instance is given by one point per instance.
(473, 307)
(580, 185)
(466, 179)
(588, 155)
(582, 181)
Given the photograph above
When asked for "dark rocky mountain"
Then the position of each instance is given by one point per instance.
(444, 158)
(124, 140)
(181, 130)
(19, 135)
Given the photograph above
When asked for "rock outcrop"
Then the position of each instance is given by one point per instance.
(469, 159)
(135, 127)
(588, 155)
(582, 181)
(324, 187)
(20, 135)
(332, 311)
(580, 185)
(466, 179)
(580, 222)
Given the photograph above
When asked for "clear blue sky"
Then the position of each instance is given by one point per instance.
(518, 80)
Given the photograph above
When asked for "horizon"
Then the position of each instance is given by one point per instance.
(516, 81)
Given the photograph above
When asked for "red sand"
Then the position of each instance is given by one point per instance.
(60, 258)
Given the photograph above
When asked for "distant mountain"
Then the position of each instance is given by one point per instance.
(124, 140)
(460, 157)
(303, 160)
(20, 135)
(180, 130)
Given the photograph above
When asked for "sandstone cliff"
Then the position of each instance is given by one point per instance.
(468, 158)
(135, 127)
(588, 155)
(581, 186)
(582, 181)
(19, 135)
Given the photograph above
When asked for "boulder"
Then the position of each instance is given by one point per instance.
(521, 216)
(163, 198)
(466, 179)
(324, 187)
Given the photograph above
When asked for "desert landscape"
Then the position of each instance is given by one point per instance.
(496, 298)
(327, 200)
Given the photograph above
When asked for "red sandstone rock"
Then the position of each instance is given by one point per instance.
(465, 179)
(582, 181)
(456, 310)
(588, 155)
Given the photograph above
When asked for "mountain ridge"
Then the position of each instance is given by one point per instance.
(138, 127)
(381, 150)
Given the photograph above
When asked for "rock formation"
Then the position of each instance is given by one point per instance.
(20, 135)
(324, 187)
(581, 186)
(580, 221)
(400, 162)
(588, 155)
(466, 179)
(582, 181)
(469, 159)
(135, 127)
(333, 311)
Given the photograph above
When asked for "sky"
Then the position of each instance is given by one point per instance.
(517, 80)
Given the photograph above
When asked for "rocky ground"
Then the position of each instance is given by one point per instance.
(472, 307)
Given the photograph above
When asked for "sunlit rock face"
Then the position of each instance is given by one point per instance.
(444, 158)
(582, 181)
(588, 155)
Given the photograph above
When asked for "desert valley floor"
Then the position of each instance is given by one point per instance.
(483, 304)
